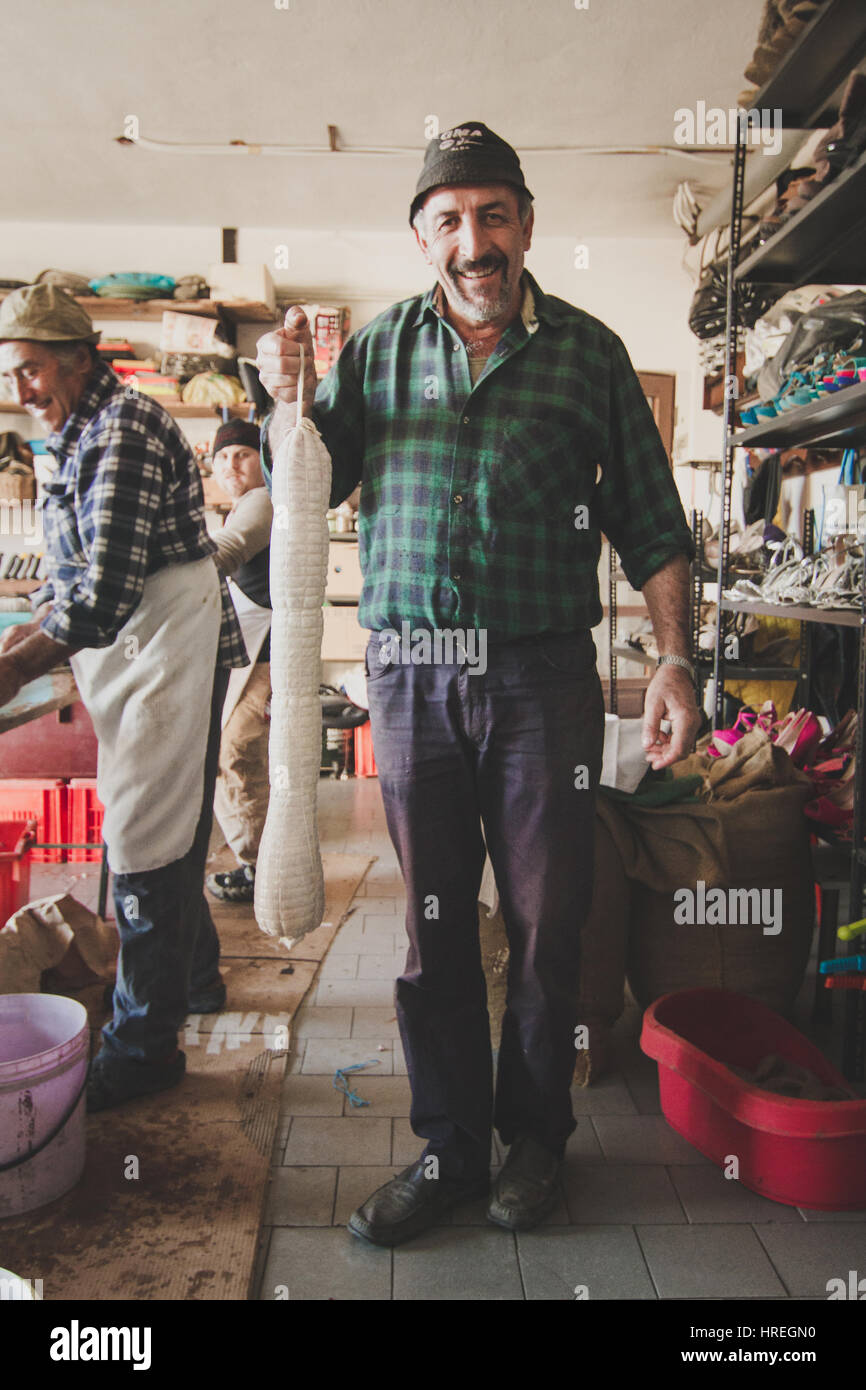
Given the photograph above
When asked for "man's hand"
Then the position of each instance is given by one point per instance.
(279, 359)
(18, 631)
(10, 680)
(670, 696)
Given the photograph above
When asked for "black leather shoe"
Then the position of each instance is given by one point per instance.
(411, 1203)
(527, 1187)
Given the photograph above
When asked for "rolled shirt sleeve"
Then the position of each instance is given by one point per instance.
(638, 506)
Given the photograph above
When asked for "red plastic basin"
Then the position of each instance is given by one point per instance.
(802, 1152)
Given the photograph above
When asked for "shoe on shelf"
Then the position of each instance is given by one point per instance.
(110, 1085)
(236, 886)
(527, 1187)
(210, 999)
(411, 1203)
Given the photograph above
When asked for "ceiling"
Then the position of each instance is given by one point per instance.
(540, 72)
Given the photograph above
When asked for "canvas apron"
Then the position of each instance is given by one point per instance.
(149, 696)
(255, 624)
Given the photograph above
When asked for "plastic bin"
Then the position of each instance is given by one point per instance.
(365, 761)
(84, 819)
(804, 1153)
(44, 1046)
(15, 840)
(40, 799)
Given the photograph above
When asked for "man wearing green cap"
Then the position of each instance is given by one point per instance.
(135, 603)
(496, 432)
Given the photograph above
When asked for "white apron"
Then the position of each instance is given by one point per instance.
(149, 696)
(255, 624)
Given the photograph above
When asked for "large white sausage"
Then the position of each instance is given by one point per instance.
(290, 891)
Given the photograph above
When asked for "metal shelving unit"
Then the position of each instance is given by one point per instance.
(826, 240)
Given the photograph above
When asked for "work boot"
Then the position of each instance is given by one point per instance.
(527, 1187)
(236, 886)
(411, 1203)
(111, 1084)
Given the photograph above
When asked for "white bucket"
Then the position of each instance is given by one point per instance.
(44, 1046)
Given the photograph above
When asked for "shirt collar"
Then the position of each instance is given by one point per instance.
(533, 299)
(99, 387)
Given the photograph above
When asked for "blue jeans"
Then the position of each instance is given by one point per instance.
(518, 749)
(169, 946)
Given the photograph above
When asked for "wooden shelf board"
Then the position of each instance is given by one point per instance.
(236, 311)
(836, 617)
(176, 409)
(14, 588)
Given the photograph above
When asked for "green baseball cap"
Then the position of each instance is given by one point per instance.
(45, 314)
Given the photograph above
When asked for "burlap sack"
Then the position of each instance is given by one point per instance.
(761, 841)
(56, 942)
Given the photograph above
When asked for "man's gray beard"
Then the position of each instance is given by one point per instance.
(485, 313)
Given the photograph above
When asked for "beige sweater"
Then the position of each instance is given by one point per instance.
(247, 530)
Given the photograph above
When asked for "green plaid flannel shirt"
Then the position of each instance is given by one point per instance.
(483, 506)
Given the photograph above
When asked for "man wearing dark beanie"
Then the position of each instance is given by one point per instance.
(243, 555)
(496, 432)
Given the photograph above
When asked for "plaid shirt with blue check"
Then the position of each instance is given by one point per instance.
(126, 501)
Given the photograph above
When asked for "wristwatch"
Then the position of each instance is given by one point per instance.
(678, 661)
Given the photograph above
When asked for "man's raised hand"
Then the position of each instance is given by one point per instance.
(278, 360)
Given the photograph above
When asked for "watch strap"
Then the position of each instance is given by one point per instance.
(669, 660)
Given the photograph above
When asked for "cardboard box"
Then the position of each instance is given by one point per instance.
(343, 638)
(344, 571)
(230, 281)
(187, 333)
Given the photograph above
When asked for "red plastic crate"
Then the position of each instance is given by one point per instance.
(40, 799)
(365, 761)
(15, 854)
(84, 818)
(804, 1153)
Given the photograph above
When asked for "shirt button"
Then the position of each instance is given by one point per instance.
(456, 347)
(456, 575)
(466, 419)
(458, 497)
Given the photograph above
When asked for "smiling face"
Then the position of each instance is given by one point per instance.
(46, 385)
(473, 238)
(238, 469)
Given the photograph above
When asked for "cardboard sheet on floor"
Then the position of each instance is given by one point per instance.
(239, 935)
(171, 1200)
(170, 1203)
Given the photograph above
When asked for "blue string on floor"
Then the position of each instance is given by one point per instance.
(341, 1082)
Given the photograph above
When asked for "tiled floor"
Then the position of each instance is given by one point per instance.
(642, 1214)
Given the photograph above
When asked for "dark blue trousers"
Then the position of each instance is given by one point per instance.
(517, 748)
(168, 941)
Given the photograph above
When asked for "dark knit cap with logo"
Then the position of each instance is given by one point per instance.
(237, 432)
(468, 153)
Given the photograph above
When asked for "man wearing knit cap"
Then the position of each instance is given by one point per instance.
(134, 601)
(243, 553)
(496, 432)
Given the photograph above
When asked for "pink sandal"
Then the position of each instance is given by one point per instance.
(799, 734)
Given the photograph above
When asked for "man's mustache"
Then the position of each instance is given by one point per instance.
(486, 263)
